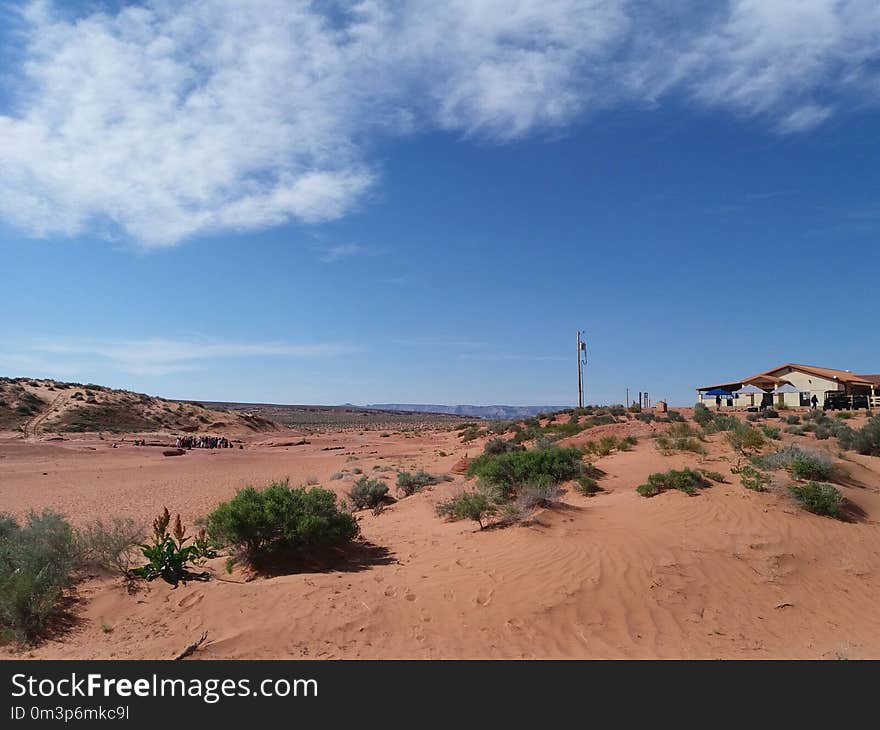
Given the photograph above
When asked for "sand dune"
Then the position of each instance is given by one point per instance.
(728, 573)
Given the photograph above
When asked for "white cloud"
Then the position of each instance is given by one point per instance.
(160, 356)
(332, 254)
(167, 119)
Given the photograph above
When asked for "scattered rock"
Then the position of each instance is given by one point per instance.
(173, 452)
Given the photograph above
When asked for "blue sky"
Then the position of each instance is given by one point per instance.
(421, 204)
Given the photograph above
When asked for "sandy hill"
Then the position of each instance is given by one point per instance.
(36, 407)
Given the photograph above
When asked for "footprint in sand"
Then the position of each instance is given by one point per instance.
(191, 600)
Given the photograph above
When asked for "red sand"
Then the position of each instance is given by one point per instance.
(726, 574)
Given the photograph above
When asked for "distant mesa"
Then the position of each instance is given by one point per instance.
(499, 412)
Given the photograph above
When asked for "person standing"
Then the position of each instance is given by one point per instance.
(815, 401)
(717, 402)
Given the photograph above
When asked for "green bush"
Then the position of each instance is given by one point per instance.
(412, 483)
(36, 564)
(510, 471)
(771, 432)
(645, 417)
(675, 416)
(792, 420)
(801, 463)
(587, 485)
(715, 476)
(367, 493)
(820, 499)
(680, 437)
(865, 440)
(685, 480)
(702, 415)
(278, 519)
(744, 437)
(467, 505)
(753, 479)
(496, 447)
(770, 413)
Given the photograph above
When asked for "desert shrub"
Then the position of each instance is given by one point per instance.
(796, 430)
(36, 563)
(680, 437)
(111, 546)
(645, 417)
(367, 493)
(412, 483)
(745, 438)
(675, 416)
(278, 519)
(467, 505)
(792, 420)
(753, 479)
(771, 432)
(752, 417)
(685, 480)
(587, 485)
(865, 440)
(801, 463)
(515, 469)
(715, 476)
(168, 556)
(845, 415)
(771, 413)
(722, 422)
(542, 493)
(618, 409)
(823, 433)
(820, 499)
(702, 415)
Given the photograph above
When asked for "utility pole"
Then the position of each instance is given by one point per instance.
(581, 348)
(628, 404)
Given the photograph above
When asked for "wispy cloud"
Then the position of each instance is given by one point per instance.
(501, 356)
(162, 121)
(332, 254)
(449, 341)
(161, 356)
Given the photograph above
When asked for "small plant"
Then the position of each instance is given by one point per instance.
(168, 557)
(542, 493)
(685, 480)
(587, 485)
(108, 546)
(675, 417)
(753, 479)
(702, 415)
(496, 447)
(820, 499)
(467, 505)
(715, 476)
(865, 440)
(745, 438)
(792, 420)
(367, 493)
(680, 437)
(411, 483)
(771, 432)
(801, 463)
